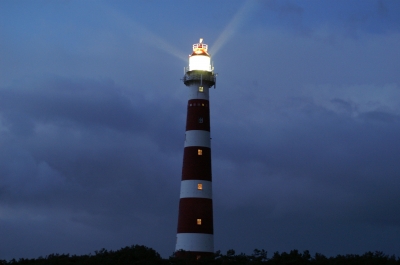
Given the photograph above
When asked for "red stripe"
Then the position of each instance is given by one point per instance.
(198, 115)
(197, 101)
(196, 166)
(191, 209)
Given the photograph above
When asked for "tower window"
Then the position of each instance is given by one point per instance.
(199, 152)
(198, 221)
(201, 120)
(199, 186)
(201, 89)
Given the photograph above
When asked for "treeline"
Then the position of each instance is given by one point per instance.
(143, 255)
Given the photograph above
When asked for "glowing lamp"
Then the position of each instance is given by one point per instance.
(200, 62)
(200, 59)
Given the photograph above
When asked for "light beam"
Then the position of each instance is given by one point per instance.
(138, 31)
(230, 29)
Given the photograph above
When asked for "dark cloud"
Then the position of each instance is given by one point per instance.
(90, 152)
(304, 133)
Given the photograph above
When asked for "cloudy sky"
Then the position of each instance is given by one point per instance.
(305, 124)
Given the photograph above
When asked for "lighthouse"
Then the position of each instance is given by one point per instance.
(195, 235)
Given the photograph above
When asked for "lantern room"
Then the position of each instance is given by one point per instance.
(200, 60)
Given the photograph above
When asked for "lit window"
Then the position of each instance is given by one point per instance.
(201, 89)
(199, 186)
(199, 152)
(198, 221)
(202, 104)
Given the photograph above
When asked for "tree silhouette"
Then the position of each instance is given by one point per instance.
(142, 255)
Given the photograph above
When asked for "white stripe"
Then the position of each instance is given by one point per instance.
(189, 189)
(195, 242)
(197, 138)
(195, 94)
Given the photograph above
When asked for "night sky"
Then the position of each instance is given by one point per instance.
(305, 124)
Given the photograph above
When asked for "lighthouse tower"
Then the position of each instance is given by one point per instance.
(195, 221)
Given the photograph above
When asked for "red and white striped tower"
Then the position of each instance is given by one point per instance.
(195, 222)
